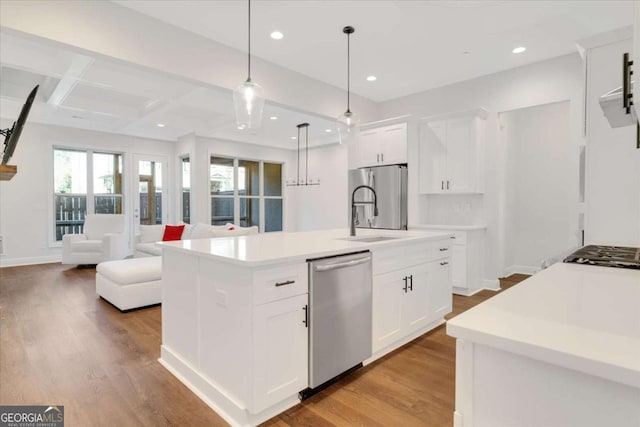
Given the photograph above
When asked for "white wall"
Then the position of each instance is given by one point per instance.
(613, 162)
(555, 80)
(26, 202)
(324, 206)
(539, 191)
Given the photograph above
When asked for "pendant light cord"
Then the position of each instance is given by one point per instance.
(348, 72)
(249, 38)
(298, 174)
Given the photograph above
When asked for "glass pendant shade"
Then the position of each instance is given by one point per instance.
(248, 100)
(348, 127)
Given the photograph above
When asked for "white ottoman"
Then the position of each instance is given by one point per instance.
(130, 283)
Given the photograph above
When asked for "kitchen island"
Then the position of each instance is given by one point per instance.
(561, 348)
(234, 309)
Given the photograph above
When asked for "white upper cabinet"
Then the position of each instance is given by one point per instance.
(451, 153)
(379, 146)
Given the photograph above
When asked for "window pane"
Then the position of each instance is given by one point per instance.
(150, 189)
(70, 171)
(186, 190)
(221, 175)
(249, 212)
(248, 178)
(221, 210)
(107, 183)
(272, 179)
(69, 214)
(272, 214)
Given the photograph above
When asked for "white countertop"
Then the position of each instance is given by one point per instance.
(447, 227)
(580, 317)
(279, 247)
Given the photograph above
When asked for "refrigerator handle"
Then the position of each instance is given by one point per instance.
(373, 185)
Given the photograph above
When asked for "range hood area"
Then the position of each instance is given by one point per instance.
(614, 111)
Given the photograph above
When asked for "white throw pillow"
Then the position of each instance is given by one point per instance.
(151, 233)
(203, 231)
(186, 233)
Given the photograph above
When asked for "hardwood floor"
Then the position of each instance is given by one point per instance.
(60, 344)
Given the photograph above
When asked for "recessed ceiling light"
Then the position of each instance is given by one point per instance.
(273, 117)
(327, 130)
(372, 78)
(160, 125)
(519, 49)
(277, 35)
(293, 137)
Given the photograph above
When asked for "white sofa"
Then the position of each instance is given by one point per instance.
(103, 239)
(145, 241)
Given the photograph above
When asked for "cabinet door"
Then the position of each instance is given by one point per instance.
(416, 302)
(387, 299)
(459, 266)
(439, 289)
(393, 144)
(461, 156)
(433, 162)
(280, 351)
(369, 148)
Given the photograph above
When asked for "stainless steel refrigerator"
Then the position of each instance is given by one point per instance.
(390, 184)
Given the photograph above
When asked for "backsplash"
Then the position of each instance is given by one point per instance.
(465, 209)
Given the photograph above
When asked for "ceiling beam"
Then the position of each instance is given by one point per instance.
(78, 67)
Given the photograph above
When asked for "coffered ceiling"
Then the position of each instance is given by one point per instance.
(97, 94)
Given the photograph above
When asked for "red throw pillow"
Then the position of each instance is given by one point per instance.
(172, 232)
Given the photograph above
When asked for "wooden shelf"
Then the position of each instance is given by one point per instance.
(7, 172)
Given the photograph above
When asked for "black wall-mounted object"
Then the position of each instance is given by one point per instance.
(627, 72)
(12, 134)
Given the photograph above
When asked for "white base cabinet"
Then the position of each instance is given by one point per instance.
(467, 258)
(411, 292)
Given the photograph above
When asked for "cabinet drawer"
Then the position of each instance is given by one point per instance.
(392, 259)
(272, 284)
(440, 249)
(459, 238)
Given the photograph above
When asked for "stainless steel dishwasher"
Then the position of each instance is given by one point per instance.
(340, 316)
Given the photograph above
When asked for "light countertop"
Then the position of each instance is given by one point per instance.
(447, 227)
(581, 317)
(279, 247)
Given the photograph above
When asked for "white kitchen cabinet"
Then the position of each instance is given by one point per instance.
(379, 146)
(467, 257)
(452, 153)
(410, 298)
(280, 350)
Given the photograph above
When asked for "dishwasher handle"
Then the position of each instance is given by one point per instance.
(337, 265)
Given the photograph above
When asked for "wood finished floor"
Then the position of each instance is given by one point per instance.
(59, 344)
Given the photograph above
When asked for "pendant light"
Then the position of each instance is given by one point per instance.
(348, 122)
(248, 98)
(307, 181)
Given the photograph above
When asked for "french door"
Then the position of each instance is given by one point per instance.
(150, 190)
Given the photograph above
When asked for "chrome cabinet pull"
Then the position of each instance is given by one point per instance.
(444, 263)
(405, 284)
(411, 283)
(447, 184)
(382, 157)
(444, 249)
(442, 185)
(288, 282)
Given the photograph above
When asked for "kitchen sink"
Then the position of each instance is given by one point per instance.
(368, 239)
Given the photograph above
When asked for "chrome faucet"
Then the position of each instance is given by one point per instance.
(354, 213)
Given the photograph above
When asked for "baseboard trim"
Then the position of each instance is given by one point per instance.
(520, 269)
(16, 262)
(492, 285)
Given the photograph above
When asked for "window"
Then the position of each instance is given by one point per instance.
(186, 189)
(84, 181)
(246, 192)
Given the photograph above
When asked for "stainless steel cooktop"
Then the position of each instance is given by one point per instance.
(606, 256)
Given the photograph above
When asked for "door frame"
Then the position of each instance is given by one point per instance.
(135, 189)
